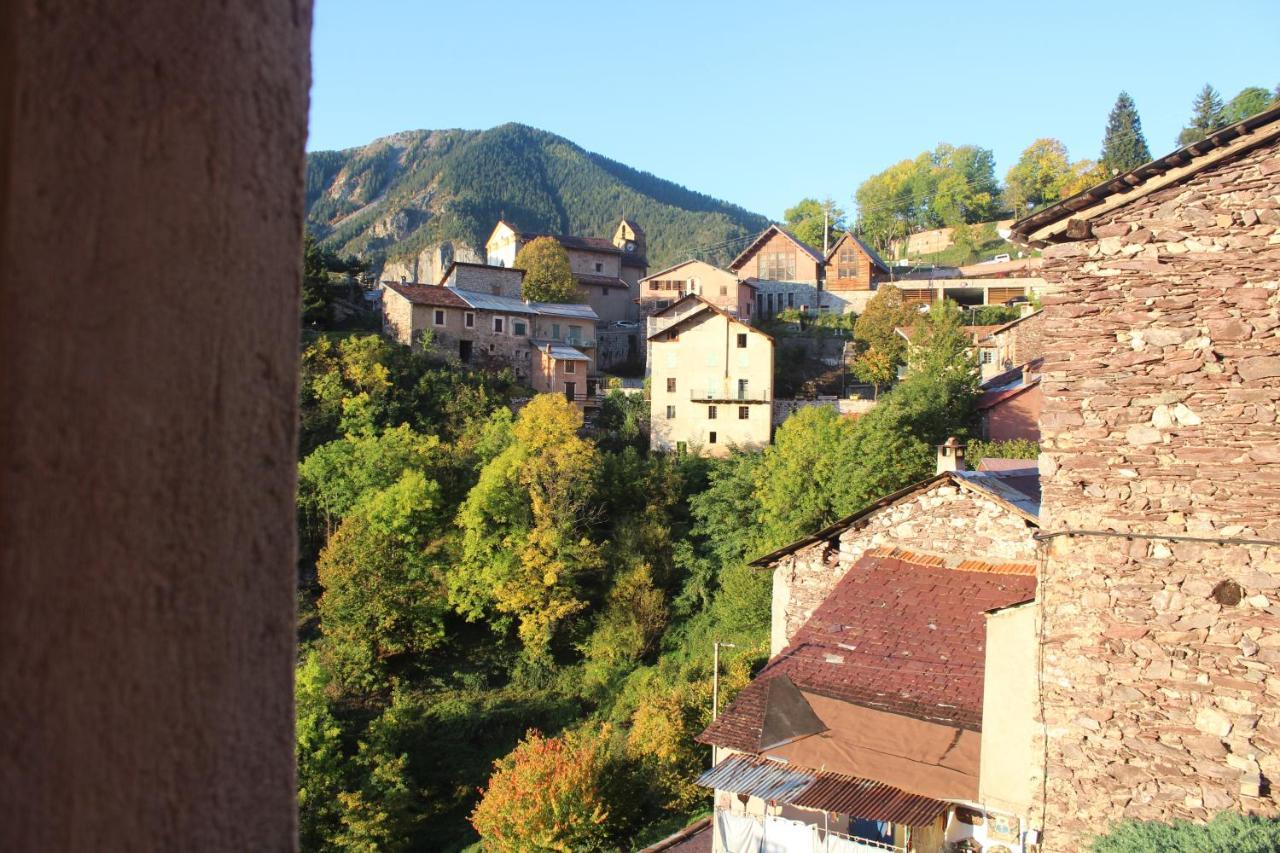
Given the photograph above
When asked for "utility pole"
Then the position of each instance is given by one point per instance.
(826, 227)
(715, 675)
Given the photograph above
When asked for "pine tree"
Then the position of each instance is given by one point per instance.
(1124, 147)
(1207, 115)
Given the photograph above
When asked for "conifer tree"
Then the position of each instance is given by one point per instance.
(1207, 115)
(1124, 147)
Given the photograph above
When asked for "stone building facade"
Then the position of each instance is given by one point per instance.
(1015, 343)
(1161, 419)
(942, 516)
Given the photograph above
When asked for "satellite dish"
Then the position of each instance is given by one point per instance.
(631, 247)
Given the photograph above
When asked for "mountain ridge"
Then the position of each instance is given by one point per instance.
(397, 200)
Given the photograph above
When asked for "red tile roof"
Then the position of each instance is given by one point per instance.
(898, 633)
(420, 294)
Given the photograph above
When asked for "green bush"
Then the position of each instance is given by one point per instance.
(1228, 832)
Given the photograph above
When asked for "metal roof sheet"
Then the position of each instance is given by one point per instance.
(564, 353)
(995, 485)
(789, 784)
(489, 302)
(566, 309)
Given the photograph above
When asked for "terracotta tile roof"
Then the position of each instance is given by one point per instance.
(899, 633)
(426, 294)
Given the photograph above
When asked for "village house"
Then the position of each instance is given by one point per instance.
(550, 346)
(785, 271)
(984, 350)
(711, 381)
(852, 271)
(1010, 403)
(608, 272)
(1014, 344)
(720, 287)
(900, 635)
(1160, 457)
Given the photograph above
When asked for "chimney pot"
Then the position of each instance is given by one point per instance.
(950, 456)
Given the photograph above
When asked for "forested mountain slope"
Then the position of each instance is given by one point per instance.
(396, 199)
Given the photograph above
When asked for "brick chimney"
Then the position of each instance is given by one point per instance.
(951, 456)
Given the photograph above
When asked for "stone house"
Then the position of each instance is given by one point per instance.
(711, 381)
(550, 346)
(900, 635)
(608, 272)
(1160, 440)
(1014, 344)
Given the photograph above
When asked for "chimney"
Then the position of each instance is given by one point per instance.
(951, 456)
(1026, 309)
(1026, 373)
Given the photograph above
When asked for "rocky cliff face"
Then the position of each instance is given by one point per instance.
(407, 201)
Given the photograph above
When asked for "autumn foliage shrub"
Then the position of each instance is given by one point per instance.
(1226, 833)
(549, 794)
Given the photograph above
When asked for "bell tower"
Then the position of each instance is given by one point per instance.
(630, 239)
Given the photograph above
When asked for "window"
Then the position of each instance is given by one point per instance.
(777, 266)
(575, 334)
(791, 300)
(724, 290)
(742, 341)
(986, 356)
(742, 389)
(744, 413)
(673, 335)
(682, 448)
(663, 303)
(571, 367)
(711, 437)
(671, 384)
(518, 328)
(604, 291)
(469, 320)
(599, 267)
(497, 326)
(439, 318)
(711, 413)
(671, 413)
(555, 331)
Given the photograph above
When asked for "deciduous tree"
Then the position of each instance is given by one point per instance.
(1250, 101)
(547, 275)
(1039, 176)
(548, 794)
(885, 312)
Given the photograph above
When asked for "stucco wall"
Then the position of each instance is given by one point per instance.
(148, 434)
(1015, 417)
(706, 360)
(1010, 771)
(1161, 395)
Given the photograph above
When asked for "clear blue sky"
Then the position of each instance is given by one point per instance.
(762, 104)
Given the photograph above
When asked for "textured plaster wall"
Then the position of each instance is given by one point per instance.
(152, 154)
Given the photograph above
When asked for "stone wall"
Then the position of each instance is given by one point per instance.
(943, 520)
(1161, 391)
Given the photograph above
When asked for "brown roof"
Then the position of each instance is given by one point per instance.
(707, 305)
(584, 244)
(763, 236)
(1052, 224)
(1009, 325)
(474, 265)
(599, 280)
(991, 399)
(427, 294)
(867, 250)
(899, 633)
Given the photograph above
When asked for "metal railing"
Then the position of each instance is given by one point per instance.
(747, 396)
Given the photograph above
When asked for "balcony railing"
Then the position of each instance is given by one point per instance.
(748, 396)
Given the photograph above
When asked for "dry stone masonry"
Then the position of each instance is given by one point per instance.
(1161, 687)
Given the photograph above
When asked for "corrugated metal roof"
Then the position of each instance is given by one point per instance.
(564, 353)
(789, 784)
(489, 302)
(994, 485)
(566, 309)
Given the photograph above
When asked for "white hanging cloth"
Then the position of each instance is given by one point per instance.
(738, 833)
(788, 836)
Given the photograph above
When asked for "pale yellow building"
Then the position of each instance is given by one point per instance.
(711, 381)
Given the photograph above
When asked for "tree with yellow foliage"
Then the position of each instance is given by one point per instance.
(547, 275)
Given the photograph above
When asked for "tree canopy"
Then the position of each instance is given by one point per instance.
(547, 275)
(1039, 177)
(1123, 145)
(1208, 114)
(807, 218)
